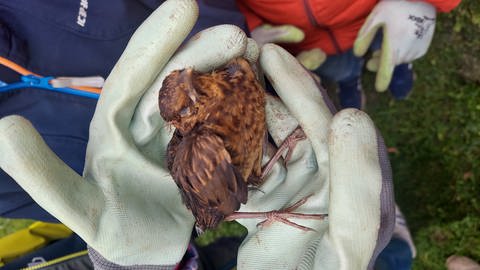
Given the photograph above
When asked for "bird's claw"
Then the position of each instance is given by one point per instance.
(282, 216)
(289, 143)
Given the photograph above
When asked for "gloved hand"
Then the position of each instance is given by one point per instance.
(343, 165)
(126, 206)
(267, 33)
(408, 28)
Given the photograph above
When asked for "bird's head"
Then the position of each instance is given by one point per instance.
(177, 98)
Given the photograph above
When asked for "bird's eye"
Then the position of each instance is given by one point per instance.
(185, 111)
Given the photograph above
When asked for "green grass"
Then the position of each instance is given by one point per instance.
(8, 226)
(437, 133)
(435, 243)
(224, 229)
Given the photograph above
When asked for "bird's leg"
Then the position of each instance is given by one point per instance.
(289, 143)
(281, 215)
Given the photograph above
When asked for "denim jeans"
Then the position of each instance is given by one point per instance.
(396, 256)
(342, 67)
(346, 70)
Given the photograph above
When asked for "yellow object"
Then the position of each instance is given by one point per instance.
(27, 240)
(374, 62)
(312, 59)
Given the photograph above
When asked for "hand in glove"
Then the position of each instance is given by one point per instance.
(266, 33)
(126, 206)
(287, 33)
(342, 164)
(408, 28)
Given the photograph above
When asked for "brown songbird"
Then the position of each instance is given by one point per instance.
(216, 150)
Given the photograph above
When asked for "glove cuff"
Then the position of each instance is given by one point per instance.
(189, 261)
(387, 202)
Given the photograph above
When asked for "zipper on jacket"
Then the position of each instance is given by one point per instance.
(316, 24)
(57, 260)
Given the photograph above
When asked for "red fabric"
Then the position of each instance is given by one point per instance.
(327, 24)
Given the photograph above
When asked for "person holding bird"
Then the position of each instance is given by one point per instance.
(127, 206)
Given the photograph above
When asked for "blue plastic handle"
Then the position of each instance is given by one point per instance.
(43, 83)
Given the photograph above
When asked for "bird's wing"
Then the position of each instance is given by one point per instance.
(211, 186)
(172, 148)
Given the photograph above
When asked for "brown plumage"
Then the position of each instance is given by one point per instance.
(216, 149)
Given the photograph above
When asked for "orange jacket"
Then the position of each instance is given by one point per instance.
(329, 25)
